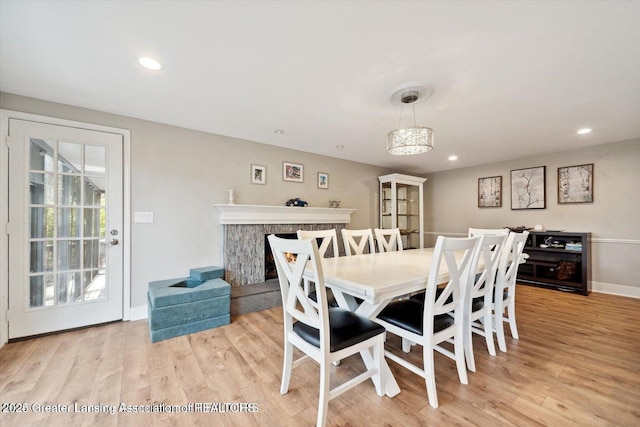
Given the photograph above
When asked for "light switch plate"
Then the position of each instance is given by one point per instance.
(144, 217)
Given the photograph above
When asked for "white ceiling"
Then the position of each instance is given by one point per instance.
(510, 79)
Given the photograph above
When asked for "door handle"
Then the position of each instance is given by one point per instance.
(113, 242)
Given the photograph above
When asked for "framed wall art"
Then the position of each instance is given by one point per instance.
(323, 180)
(258, 174)
(575, 184)
(528, 188)
(490, 192)
(293, 172)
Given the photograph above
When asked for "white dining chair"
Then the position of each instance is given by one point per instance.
(328, 239)
(504, 301)
(472, 232)
(355, 241)
(439, 319)
(389, 239)
(322, 334)
(493, 231)
(478, 296)
(488, 231)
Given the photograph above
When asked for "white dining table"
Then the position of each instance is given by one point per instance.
(376, 279)
(379, 277)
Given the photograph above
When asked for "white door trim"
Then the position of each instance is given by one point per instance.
(5, 115)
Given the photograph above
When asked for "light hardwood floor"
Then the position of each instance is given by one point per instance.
(577, 363)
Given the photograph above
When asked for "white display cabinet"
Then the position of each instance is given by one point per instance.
(401, 206)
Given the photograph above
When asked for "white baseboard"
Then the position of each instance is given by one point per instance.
(138, 313)
(613, 289)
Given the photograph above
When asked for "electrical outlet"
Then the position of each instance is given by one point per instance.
(143, 217)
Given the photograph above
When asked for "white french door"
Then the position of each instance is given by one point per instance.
(65, 227)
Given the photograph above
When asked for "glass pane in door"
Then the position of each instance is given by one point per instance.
(68, 222)
(41, 259)
(41, 155)
(95, 160)
(69, 157)
(42, 188)
(41, 223)
(41, 290)
(69, 288)
(67, 217)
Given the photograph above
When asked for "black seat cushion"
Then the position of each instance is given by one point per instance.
(331, 300)
(477, 304)
(420, 296)
(345, 329)
(407, 314)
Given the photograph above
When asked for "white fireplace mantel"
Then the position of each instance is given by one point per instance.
(263, 214)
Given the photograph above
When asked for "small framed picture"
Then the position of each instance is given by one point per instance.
(528, 188)
(293, 172)
(490, 192)
(575, 184)
(323, 180)
(258, 174)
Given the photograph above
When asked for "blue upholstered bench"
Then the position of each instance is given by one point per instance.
(189, 304)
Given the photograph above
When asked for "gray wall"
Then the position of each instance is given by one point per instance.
(180, 174)
(451, 203)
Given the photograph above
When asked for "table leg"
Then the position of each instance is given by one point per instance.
(345, 301)
(391, 385)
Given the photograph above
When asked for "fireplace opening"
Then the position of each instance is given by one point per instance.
(270, 271)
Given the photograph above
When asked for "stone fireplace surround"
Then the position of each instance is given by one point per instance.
(245, 228)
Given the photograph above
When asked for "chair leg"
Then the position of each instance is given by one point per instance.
(468, 345)
(430, 375)
(323, 401)
(458, 348)
(511, 315)
(488, 333)
(286, 367)
(379, 380)
(406, 345)
(499, 325)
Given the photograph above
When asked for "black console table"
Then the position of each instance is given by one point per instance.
(557, 259)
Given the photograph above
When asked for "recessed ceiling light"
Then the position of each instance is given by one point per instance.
(584, 131)
(452, 158)
(340, 147)
(150, 63)
(278, 131)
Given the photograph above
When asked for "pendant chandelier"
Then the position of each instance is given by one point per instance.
(409, 140)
